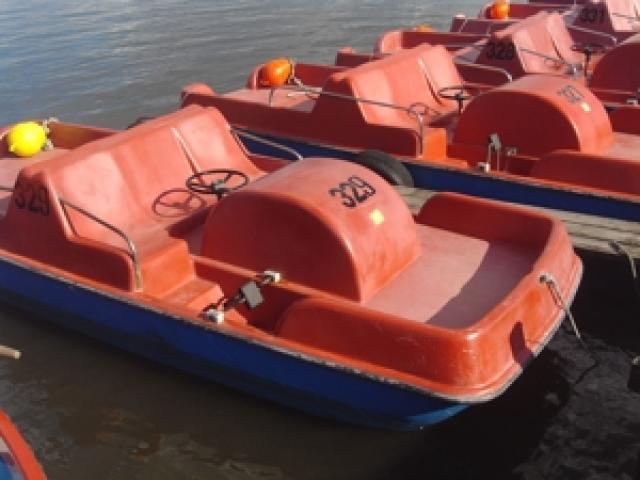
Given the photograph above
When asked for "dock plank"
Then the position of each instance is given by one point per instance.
(590, 233)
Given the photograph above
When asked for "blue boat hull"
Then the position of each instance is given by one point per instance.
(317, 388)
(435, 177)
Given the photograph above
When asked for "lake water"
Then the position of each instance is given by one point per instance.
(92, 412)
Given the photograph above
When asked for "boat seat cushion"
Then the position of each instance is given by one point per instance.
(528, 46)
(135, 180)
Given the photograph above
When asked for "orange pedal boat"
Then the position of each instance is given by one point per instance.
(310, 284)
(17, 461)
(544, 140)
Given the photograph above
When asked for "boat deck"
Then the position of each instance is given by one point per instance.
(589, 233)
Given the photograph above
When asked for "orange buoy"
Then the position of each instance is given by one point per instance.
(423, 28)
(499, 10)
(275, 73)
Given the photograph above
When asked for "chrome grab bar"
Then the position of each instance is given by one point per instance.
(613, 39)
(573, 69)
(409, 110)
(477, 45)
(625, 16)
(133, 252)
(256, 138)
(486, 67)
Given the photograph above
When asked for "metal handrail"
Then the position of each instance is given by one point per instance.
(133, 252)
(625, 16)
(256, 138)
(477, 45)
(613, 39)
(562, 61)
(411, 111)
(487, 67)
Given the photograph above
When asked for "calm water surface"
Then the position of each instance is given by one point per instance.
(90, 411)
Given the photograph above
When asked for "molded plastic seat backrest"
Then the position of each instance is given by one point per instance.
(606, 15)
(396, 40)
(561, 38)
(122, 178)
(537, 44)
(403, 79)
(323, 223)
(537, 114)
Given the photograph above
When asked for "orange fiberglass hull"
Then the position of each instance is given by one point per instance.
(312, 285)
(17, 461)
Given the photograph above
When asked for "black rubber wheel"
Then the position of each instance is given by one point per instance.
(389, 168)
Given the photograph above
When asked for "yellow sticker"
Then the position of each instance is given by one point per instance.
(585, 106)
(376, 217)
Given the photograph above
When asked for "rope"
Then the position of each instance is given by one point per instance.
(550, 282)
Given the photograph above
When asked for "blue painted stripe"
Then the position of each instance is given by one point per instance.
(312, 387)
(433, 177)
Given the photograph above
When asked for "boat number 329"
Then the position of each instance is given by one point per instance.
(353, 191)
(33, 199)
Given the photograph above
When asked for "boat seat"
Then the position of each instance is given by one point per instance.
(409, 77)
(536, 44)
(402, 39)
(135, 182)
(610, 16)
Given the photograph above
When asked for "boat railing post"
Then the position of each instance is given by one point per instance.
(133, 251)
(409, 110)
(256, 138)
(625, 16)
(608, 36)
(561, 61)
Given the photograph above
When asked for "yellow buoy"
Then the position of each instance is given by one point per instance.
(25, 139)
(275, 73)
(499, 10)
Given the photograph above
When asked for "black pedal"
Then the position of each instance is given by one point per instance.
(251, 294)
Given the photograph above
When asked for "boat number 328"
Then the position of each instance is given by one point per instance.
(353, 191)
(500, 50)
(33, 199)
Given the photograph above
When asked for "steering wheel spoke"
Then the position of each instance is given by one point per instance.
(458, 93)
(219, 187)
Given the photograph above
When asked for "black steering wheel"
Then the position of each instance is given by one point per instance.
(459, 93)
(588, 49)
(218, 187)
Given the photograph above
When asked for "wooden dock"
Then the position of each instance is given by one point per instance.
(590, 233)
